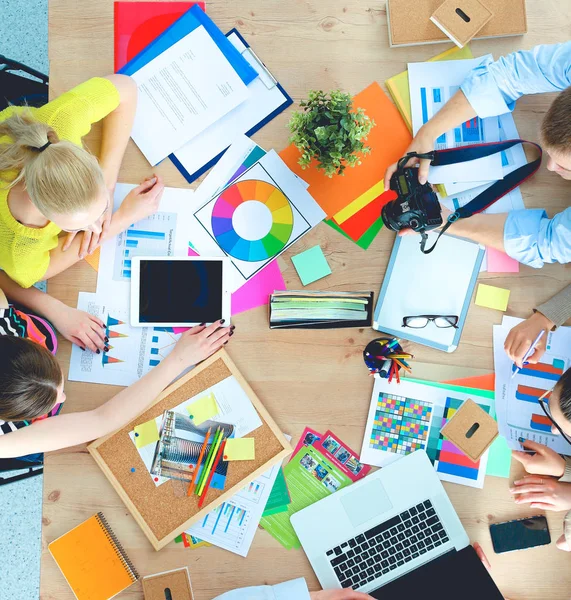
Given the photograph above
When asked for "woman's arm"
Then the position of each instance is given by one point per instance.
(67, 430)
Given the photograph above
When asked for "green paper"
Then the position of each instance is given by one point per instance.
(366, 239)
(275, 511)
(311, 265)
(279, 499)
(499, 454)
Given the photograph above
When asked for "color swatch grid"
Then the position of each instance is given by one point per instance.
(401, 424)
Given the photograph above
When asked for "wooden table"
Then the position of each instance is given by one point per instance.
(314, 379)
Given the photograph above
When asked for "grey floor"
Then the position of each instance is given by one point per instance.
(23, 37)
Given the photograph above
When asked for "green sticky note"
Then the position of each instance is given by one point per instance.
(240, 449)
(490, 296)
(203, 409)
(311, 265)
(499, 458)
(146, 434)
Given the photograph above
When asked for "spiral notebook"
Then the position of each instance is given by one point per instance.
(93, 561)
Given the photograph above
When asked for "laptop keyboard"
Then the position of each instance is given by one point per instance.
(385, 547)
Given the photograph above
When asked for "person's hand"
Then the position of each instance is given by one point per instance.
(545, 461)
(142, 201)
(562, 544)
(346, 594)
(445, 213)
(542, 492)
(522, 336)
(80, 328)
(423, 142)
(198, 343)
(482, 556)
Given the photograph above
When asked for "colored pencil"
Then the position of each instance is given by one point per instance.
(210, 463)
(398, 362)
(215, 466)
(207, 460)
(198, 463)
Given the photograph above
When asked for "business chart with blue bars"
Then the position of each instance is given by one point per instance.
(153, 236)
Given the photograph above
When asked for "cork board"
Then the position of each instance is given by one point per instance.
(409, 22)
(160, 514)
(177, 581)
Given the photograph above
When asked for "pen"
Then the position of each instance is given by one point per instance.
(528, 353)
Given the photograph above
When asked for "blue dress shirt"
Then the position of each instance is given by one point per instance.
(290, 590)
(492, 89)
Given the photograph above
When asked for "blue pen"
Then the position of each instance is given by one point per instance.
(528, 353)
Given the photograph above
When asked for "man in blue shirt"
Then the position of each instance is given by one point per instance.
(492, 89)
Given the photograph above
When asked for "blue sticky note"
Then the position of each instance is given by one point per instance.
(311, 265)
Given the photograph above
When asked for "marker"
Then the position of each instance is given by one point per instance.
(528, 353)
(384, 368)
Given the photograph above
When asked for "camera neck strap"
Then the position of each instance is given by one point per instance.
(451, 156)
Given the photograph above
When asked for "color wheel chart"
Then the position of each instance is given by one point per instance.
(527, 386)
(252, 220)
(153, 236)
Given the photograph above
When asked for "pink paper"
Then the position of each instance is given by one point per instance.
(255, 292)
(499, 262)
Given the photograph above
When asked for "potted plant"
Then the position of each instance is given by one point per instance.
(330, 131)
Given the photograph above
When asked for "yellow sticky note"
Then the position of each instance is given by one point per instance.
(203, 409)
(492, 297)
(240, 449)
(146, 433)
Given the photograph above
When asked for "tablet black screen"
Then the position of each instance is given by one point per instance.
(180, 291)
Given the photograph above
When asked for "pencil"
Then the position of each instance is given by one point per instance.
(207, 460)
(215, 466)
(398, 362)
(208, 470)
(198, 463)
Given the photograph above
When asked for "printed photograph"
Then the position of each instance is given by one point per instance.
(331, 445)
(308, 462)
(331, 483)
(310, 439)
(354, 465)
(343, 455)
(320, 472)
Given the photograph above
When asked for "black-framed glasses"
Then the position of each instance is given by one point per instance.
(421, 321)
(545, 408)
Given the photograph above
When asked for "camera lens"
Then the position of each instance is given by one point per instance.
(414, 224)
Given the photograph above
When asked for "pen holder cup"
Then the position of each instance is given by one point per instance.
(376, 351)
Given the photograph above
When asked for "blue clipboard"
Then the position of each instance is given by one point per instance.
(191, 20)
(190, 177)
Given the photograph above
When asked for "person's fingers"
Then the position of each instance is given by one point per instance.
(97, 320)
(562, 544)
(388, 174)
(86, 341)
(99, 332)
(544, 506)
(93, 243)
(105, 227)
(423, 170)
(75, 340)
(537, 354)
(522, 457)
(68, 240)
(482, 556)
(95, 339)
(217, 336)
(532, 480)
(84, 244)
(534, 446)
(509, 342)
(194, 330)
(213, 327)
(519, 351)
(535, 498)
(529, 488)
(145, 185)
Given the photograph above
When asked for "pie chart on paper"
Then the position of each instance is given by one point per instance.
(252, 220)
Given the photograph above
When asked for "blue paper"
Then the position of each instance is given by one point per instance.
(192, 19)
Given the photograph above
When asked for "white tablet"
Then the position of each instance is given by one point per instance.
(179, 291)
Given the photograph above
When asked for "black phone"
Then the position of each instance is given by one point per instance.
(520, 534)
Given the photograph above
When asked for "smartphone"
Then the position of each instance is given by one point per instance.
(520, 534)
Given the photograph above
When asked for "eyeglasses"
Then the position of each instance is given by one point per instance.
(421, 321)
(545, 408)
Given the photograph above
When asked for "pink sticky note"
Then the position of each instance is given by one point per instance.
(499, 262)
(255, 292)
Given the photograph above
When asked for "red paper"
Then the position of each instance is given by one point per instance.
(478, 382)
(137, 24)
(360, 222)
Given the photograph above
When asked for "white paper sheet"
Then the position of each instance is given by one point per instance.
(133, 351)
(519, 413)
(265, 98)
(182, 92)
(432, 84)
(161, 234)
(405, 417)
(254, 221)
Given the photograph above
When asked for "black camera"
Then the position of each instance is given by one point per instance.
(417, 205)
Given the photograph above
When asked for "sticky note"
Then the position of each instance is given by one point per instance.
(492, 297)
(311, 265)
(499, 459)
(240, 449)
(203, 409)
(500, 262)
(146, 433)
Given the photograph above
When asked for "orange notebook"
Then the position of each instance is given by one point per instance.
(92, 560)
(388, 140)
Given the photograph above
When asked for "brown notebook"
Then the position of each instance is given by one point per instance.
(410, 24)
(461, 20)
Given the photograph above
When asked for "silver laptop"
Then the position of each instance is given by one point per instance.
(395, 528)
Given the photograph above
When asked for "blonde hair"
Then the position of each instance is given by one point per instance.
(61, 179)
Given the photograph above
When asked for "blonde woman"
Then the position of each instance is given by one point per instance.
(49, 184)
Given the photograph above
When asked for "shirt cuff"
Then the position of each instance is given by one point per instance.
(521, 236)
(558, 309)
(566, 478)
(483, 93)
(292, 589)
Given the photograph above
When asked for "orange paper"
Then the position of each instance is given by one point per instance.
(388, 141)
(478, 382)
(93, 259)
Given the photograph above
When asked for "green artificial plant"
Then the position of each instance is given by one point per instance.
(330, 131)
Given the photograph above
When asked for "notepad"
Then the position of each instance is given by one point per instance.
(490, 296)
(92, 560)
(311, 265)
(203, 409)
(146, 433)
(240, 449)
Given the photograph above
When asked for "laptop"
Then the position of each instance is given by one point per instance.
(393, 534)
